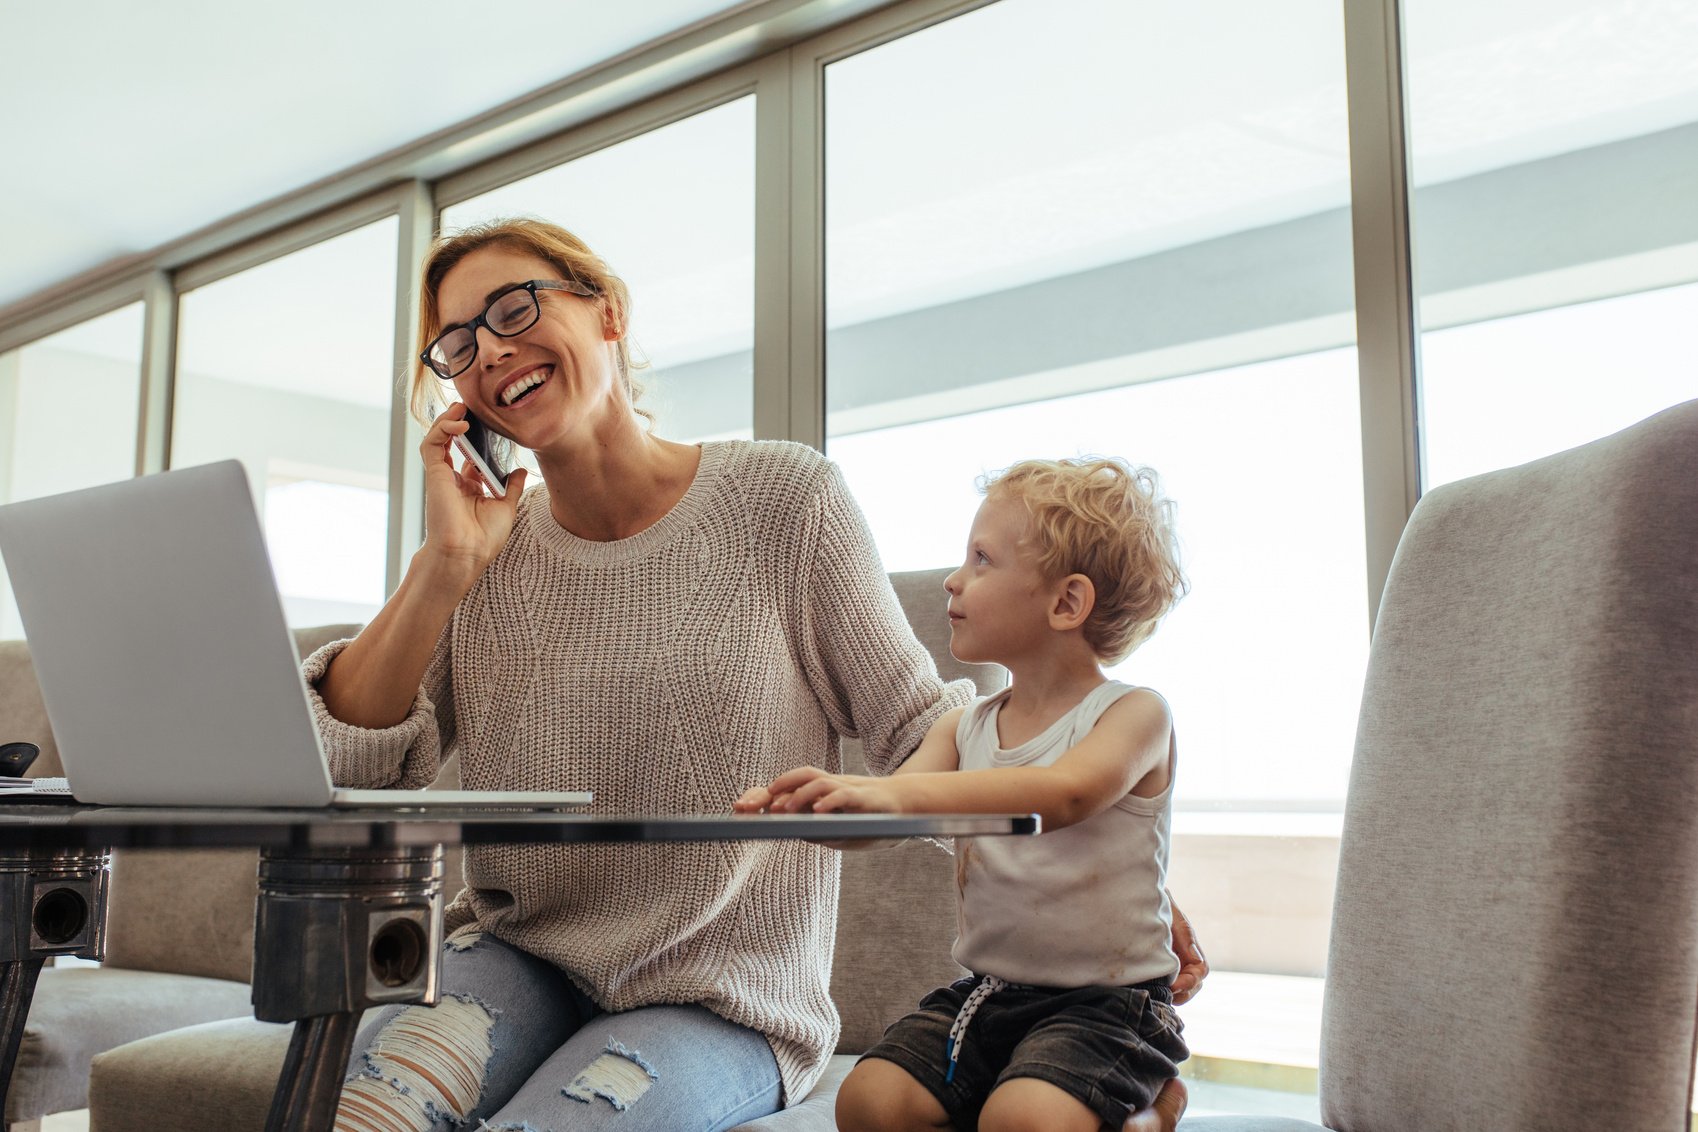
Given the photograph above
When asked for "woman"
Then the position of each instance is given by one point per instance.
(663, 624)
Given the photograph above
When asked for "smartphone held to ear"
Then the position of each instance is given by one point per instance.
(484, 451)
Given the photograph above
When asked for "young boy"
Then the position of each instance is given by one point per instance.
(1066, 1022)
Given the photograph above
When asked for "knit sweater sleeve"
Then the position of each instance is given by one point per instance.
(406, 756)
(873, 679)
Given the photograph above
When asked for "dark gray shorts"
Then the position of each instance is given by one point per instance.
(1110, 1047)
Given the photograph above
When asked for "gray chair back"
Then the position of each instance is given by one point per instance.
(1515, 936)
(927, 607)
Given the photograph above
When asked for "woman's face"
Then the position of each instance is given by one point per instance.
(545, 383)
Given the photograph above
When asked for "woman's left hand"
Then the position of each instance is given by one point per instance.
(1193, 968)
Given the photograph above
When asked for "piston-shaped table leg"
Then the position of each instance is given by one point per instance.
(339, 930)
(52, 902)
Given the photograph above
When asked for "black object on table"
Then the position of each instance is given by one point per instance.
(15, 758)
(350, 901)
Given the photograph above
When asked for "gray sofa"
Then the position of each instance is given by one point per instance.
(897, 903)
(179, 936)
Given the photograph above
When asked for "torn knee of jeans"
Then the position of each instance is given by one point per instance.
(619, 1075)
(426, 1064)
(465, 941)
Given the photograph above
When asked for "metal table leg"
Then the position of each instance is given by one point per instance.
(52, 902)
(311, 1083)
(339, 930)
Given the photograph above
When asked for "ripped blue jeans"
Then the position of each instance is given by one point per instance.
(513, 1045)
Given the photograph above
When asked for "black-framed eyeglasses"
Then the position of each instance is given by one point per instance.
(512, 312)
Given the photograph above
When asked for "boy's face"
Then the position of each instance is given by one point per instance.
(998, 602)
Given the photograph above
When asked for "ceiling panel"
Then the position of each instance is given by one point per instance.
(128, 125)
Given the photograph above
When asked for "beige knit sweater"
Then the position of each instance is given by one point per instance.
(737, 637)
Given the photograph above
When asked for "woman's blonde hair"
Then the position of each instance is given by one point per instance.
(1108, 520)
(569, 255)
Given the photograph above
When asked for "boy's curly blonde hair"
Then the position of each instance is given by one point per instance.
(1106, 519)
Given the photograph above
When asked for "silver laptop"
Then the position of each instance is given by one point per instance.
(168, 671)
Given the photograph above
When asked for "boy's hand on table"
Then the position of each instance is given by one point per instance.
(755, 800)
(809, 789)
(761, 800)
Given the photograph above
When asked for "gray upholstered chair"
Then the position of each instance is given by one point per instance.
(897, 903)
(179, 936)
(1515, 937)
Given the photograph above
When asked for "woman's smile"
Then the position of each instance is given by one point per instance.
(521, 385)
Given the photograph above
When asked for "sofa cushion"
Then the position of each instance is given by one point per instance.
(216, 1076)
(191, 913)
(164, 1082)
(78, 1012)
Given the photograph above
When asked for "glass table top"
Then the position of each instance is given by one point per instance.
(50, 825)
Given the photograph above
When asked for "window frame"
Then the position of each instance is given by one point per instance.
(778, 51)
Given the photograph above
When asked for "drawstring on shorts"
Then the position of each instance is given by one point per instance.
(958, 1029)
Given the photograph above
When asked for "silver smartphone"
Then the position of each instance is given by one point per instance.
(484, 449)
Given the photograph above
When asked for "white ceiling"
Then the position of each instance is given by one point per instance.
(127, 125)
(994, 149)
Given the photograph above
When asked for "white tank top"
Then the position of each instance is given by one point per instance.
(1082, 906)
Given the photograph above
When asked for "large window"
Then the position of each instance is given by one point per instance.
(289, 368)
(68, 416)
(1512, 389)
(1136, 247)
(1254, 455)
(1555, 150)
(673, 212)
(1140, 248)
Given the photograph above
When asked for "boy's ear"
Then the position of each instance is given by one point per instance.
(1075, 597)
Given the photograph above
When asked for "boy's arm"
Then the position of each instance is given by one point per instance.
(1126, 752)
(935, 753)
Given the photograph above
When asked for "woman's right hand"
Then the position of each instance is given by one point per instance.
(465, 527)
(375, 679)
